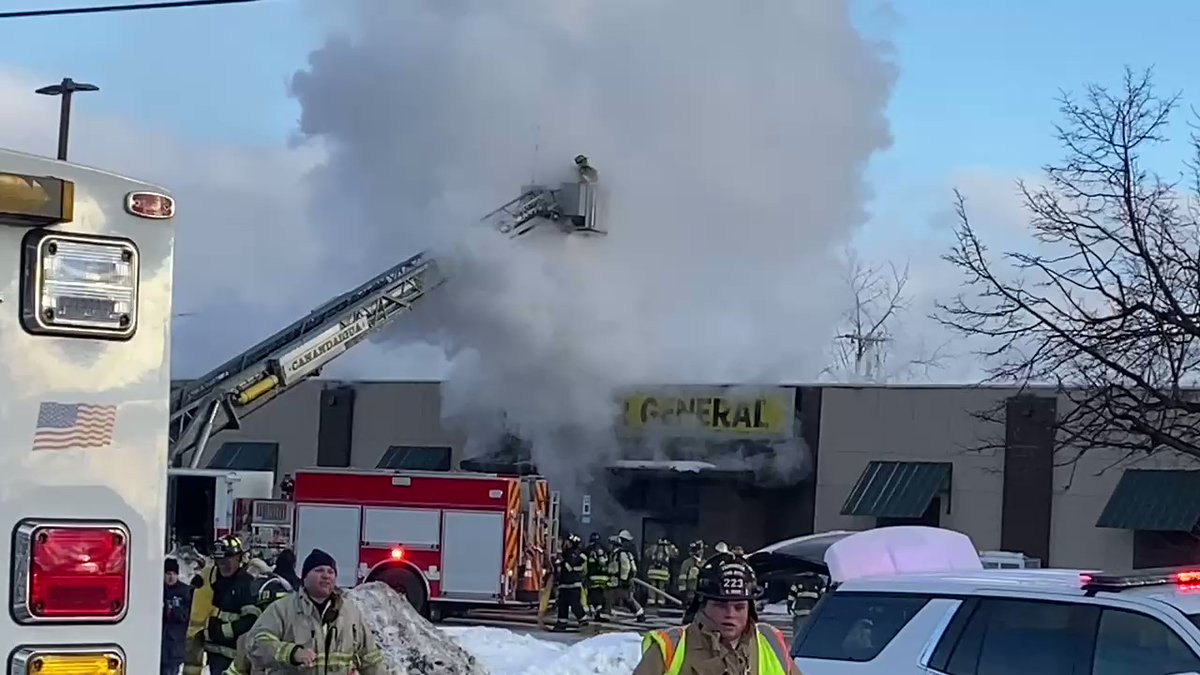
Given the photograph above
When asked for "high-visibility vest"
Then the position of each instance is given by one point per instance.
(772, 649)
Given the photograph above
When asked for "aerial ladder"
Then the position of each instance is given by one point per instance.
(220, 399)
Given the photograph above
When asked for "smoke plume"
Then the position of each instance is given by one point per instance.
(730, 140)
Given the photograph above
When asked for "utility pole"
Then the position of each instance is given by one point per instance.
(66, 89)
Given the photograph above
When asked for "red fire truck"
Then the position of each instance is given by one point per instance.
(448, 540)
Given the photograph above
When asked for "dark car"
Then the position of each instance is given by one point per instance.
(782, 563)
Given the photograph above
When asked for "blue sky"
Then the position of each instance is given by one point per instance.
(976, 88)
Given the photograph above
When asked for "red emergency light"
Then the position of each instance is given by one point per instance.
(70, 572)
(1185, 579)
(397, 553)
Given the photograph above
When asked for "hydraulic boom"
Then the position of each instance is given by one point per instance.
(221, 398)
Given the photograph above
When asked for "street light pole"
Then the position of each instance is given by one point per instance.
(66, 89)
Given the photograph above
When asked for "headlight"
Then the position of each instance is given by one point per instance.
(80, 285)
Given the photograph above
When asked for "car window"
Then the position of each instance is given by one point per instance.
(1128, 642)
(1017, 637)
(855, 626)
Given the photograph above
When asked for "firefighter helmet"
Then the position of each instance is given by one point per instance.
(624, 535)
(227, 546)
(696, 547)
(594, 538)
(727, 580)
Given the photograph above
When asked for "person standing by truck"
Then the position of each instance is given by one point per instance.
(224, 607)
(315, 629)
(568, 575)
(177, 606)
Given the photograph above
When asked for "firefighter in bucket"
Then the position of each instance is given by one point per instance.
(724, 636)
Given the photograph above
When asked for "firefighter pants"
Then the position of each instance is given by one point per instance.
(622, 596)
(661, 584)
(569, 603)
(193, 662)
(598, 599)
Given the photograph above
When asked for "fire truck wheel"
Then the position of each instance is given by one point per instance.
(406, 583)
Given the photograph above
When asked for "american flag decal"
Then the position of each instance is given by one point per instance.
(62, 426)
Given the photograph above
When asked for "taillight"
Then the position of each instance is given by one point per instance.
(68, 661)
(397, 553)
(70, 572)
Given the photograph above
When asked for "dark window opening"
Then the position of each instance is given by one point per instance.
(931, 518)
(415, 458)
(246, 456)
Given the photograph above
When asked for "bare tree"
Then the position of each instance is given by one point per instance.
(863, 349)
(1106, 304)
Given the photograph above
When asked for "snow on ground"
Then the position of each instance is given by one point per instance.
(775, 609)
(504, 652)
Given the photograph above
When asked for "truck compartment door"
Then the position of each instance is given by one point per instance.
(472, 554)
(333, 529)
(413, 528)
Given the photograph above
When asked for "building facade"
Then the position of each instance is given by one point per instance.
(979, 460)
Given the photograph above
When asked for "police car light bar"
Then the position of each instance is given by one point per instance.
(1187, 578)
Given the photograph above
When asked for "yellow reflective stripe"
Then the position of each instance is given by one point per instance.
(670, 644)
(372, 658)
(227, 630)
(772, 651)
(283, 650)
(193, 670)
(228, 616)
(251, 610)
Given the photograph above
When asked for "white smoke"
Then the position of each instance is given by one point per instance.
(730, 138)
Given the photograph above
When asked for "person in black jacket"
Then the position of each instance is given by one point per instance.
(177, 606)
(235, 604)
(285, 567)
(568, 571)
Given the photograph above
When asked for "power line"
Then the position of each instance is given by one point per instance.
(132, 7)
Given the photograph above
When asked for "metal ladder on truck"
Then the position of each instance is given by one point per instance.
(220, 399)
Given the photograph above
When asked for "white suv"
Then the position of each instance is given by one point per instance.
(921, 611)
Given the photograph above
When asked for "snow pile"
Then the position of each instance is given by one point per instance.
(410, 644)
(508, 653)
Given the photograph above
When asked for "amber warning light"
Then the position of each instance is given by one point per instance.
(70, 572)
(35, 200)
(150, 205)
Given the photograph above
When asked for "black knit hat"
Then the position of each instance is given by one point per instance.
(318, 558)
(171, 565)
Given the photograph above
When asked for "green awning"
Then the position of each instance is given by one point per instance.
(1166, 500)
(897, 489)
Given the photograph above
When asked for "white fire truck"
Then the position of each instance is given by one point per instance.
(85, 332)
